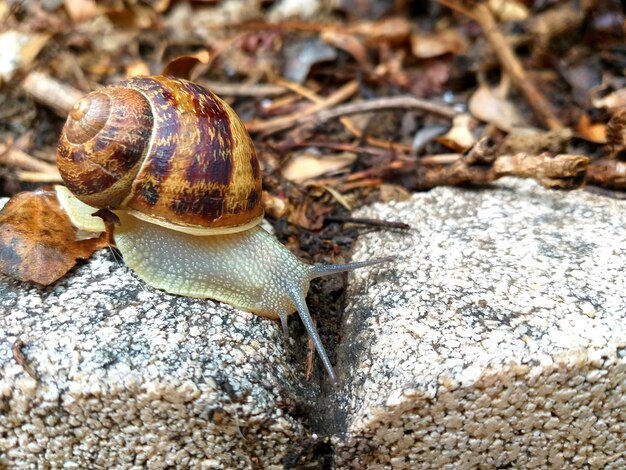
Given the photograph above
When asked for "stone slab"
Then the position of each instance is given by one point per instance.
(498, 338)
(130, 377)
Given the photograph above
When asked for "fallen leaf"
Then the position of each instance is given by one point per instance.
(427, 134)
(460, 137)
(131, 15)
(348, 43)
(5, 10)
(591, 131)
(334, 193)
(486, 105)
(394, 31)
(183, 66)
(300, 56)
(508, 10)
(304, 167)
(427, 46)
(18, 51)
(275, 206)
(137, 68)
(285, 9)
(614, 100)
(38, 243)
(81, 10)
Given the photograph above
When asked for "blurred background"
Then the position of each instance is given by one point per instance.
(282, 63)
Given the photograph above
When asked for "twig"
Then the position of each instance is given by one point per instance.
(38, 177)
(315, 98)
(366, 183)
(553, 171)
(285, 122)
(511, 64)
(381, 104)
(16, 158)
(379, 169)
(347, 122)
(259, 90)
(340, 147)
(607, 172)
(21, 359)
(310, 356)
(50, 92)
(456, 6)
(365, 221)
(440, 159)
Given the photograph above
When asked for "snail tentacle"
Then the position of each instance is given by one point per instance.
(320, 270)
(298, 300)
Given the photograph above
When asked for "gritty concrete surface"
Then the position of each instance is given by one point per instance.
(497, 340)
(130, 377)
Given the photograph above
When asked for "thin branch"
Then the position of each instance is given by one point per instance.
(54, 94)
(285, 122)
(366, 221)
(258, 90)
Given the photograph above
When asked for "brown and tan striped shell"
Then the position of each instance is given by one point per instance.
(165, 149)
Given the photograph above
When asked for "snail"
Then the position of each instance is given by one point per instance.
(178, 168)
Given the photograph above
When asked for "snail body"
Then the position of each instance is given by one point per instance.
(176, 165)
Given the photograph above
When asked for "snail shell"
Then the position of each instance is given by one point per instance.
(167, 150)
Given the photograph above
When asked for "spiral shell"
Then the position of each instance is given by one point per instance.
(166, 150)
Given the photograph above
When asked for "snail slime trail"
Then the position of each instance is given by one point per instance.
(177, 166)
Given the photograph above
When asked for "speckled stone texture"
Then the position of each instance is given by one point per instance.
(498, 339)
(129, 377)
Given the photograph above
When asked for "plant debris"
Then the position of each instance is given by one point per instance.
(38, 242)
(19, 357)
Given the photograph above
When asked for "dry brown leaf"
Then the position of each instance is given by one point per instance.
(333, 192)
(591, 131)
(427, 46)
(183, 66)
(5, 9)
(348, 43)
(37, 240)
(275, 206)
(460, 137)
(301, 56)
(160, 5)
(615, 100)
(486, 105)
(304, 167)
(137, 68)
(81, 10)
(508, 10)
(394, 31)
(132, 15)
